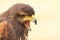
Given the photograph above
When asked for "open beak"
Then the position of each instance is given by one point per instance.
(27, 21)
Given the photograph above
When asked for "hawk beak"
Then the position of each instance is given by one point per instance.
(30, 18)
(35, 21)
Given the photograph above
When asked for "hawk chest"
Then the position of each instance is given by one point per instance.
(18, 28)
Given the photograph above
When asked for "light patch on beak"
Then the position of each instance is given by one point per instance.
(30, 18)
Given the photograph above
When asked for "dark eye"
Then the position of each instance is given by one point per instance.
(23, 15)
(19, 15)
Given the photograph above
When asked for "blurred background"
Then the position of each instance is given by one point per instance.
(47, 14)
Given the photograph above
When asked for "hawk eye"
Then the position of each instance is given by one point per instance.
(23, 15)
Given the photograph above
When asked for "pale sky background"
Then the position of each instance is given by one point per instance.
(47, 14)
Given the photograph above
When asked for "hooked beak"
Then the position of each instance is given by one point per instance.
(35, 21)
(30, 19)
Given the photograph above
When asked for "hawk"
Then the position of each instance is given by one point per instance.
(15, 22)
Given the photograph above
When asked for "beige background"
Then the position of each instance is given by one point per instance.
(47, 14)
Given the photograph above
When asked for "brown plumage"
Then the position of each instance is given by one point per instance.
(10, 28)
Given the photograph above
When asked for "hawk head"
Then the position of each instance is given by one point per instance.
(23, 13)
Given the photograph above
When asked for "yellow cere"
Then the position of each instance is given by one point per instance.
(30, 18)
